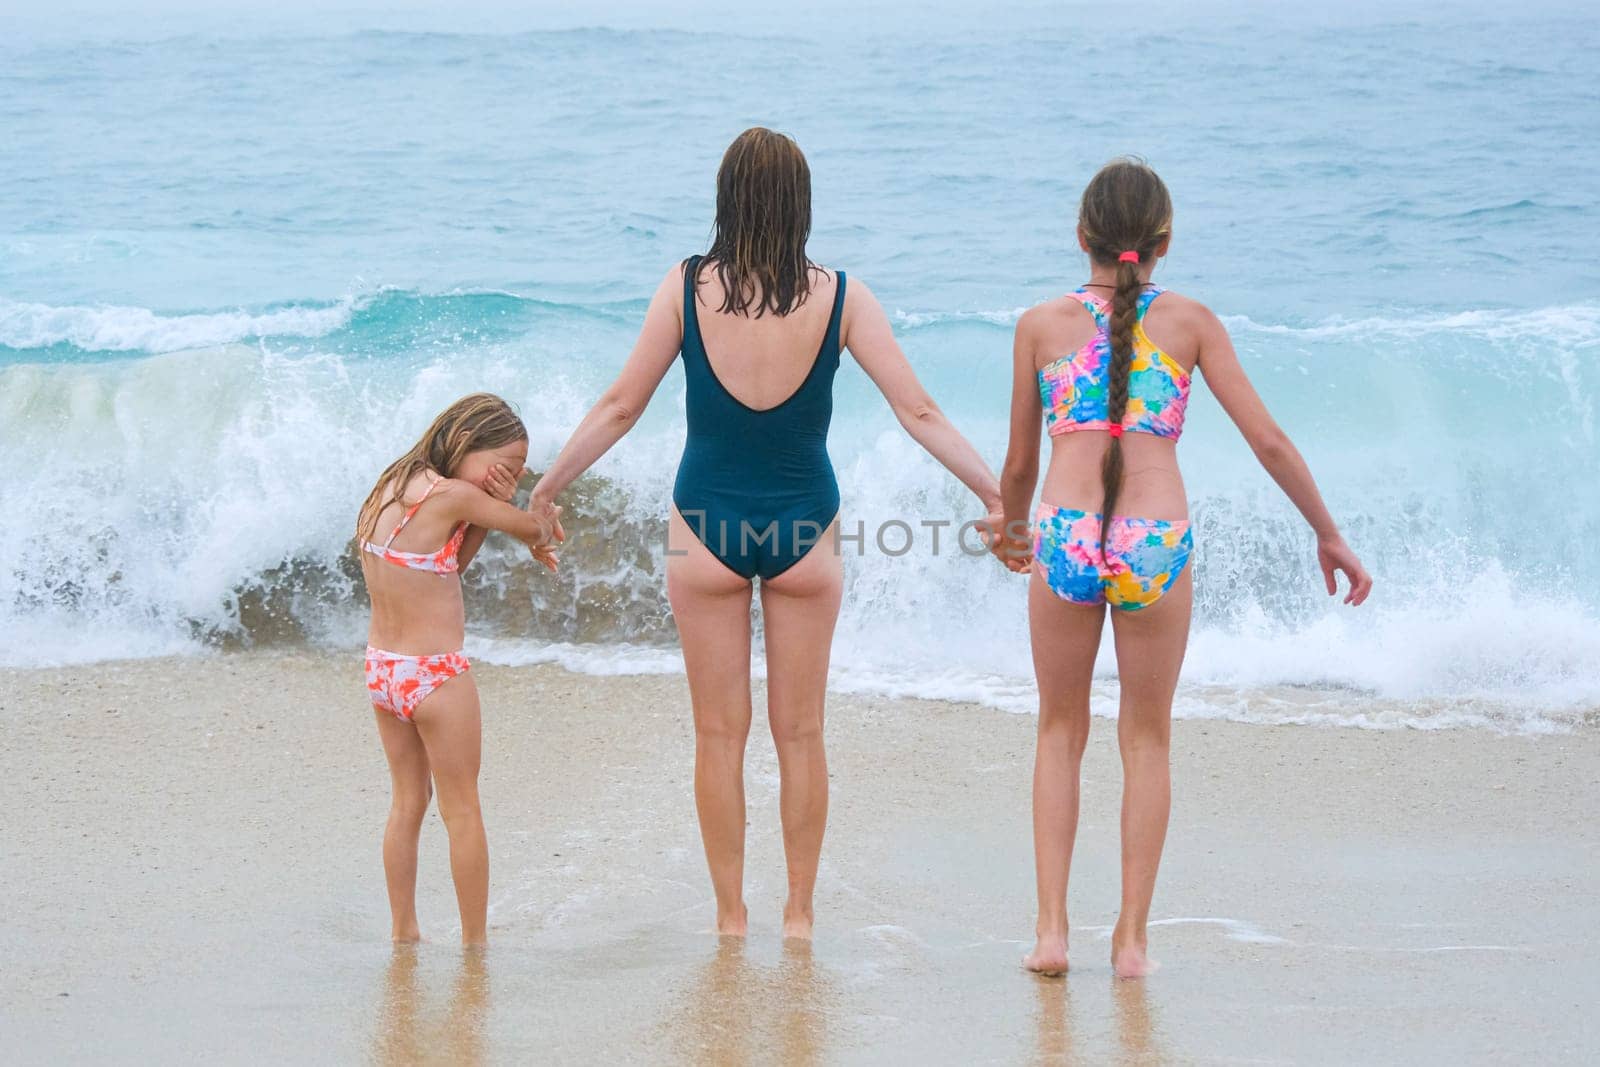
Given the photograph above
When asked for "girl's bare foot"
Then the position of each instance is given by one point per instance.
(734, 924)
(1130, 959)
(1049, 955)
(406, 935)
(796, 924)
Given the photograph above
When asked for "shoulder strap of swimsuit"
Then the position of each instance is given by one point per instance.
(1091, 303)
(831, 338)
(691, 311)
(1146, 298)
(412, 510)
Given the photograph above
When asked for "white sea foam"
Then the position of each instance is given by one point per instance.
(164, 503)
(136, 329)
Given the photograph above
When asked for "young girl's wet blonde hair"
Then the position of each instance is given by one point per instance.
(472, 424)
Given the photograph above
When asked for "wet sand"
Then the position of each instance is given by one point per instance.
(191, 869)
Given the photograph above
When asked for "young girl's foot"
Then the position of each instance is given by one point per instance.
(734, 924)
(1129, 958)
(1049, 955)
(796, 924)
(406, 935)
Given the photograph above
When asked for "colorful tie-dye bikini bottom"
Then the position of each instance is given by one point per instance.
(1143, 557)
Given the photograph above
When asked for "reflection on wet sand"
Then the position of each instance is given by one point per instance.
(1055, 1022)
(395, 1040)
(407, 1033)
(1137, 1032)
(738, 1012)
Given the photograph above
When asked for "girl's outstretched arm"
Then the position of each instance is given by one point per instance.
(1228, 382)
(501, 484)
(620, 406)
(538, 527)
(1020, 474)
(866, 332)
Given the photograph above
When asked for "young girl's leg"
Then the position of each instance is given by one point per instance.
(1150, 646)
(449, 723)
(408, 770)
(1065, 638)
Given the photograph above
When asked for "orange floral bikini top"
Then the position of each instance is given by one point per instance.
(442, 562)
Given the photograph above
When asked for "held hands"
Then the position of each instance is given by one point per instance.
(501, 484)
(1334, 555)
(549, 515)
(1007, 545)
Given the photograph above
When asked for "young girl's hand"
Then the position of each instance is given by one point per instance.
(500, 483)
(1334, 555)
(550, 514)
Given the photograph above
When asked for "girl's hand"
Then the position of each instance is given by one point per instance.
(500, 483)
(550, 515)
(1334, 555)
(1011, 551)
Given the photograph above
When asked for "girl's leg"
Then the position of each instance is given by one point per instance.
(1150, 647)
(409, 773)
(798, 610)
(450, 725)
(1065, 638)
(711, 605)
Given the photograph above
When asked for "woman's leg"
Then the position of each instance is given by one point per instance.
(711, 605)
(798, 610)
(449, 723)
(1065, 638)
(412, 788)
(1150, 646)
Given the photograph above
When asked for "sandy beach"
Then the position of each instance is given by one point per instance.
(192, 871)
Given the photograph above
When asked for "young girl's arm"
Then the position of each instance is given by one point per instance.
(500, 484)
(1228, 382)
(537, 528)
(869, 337)
(620, 406)
(1020, 474)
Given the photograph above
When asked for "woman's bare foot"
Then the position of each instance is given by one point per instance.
(1130, 959)
(796, 923)
(734, 924)
(406, 935)
(1049, 955)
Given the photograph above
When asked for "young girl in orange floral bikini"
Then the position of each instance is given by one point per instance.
(434, 505)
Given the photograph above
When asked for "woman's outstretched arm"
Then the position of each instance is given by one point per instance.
(867, 334)
(1231, 386)
(620, 406)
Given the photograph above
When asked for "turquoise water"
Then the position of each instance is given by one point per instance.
(239, 270)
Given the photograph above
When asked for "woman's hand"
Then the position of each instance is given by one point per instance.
(1334, 555)
(500, 483)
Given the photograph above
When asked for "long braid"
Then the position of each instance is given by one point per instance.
(1126, 209)
(1124, 313)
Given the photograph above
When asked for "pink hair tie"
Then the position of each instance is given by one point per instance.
(1130, 256)
(1115, 430)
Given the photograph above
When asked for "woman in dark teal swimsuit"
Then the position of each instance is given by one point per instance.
(760, 328)
(755, 483)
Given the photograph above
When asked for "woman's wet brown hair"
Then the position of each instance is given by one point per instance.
(758, 246)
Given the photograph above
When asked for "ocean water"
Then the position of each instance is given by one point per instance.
(241, 267)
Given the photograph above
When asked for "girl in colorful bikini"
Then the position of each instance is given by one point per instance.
(421, 524)
(1108, 368)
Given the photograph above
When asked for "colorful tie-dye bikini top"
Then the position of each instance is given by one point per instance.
(1073, 387)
